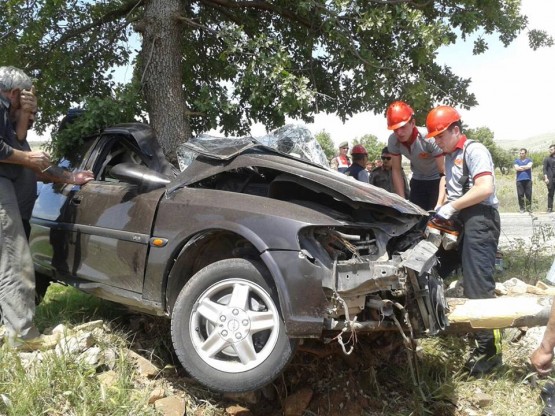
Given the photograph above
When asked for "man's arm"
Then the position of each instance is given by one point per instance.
(481, 190)
(25, 114)
(396, 169)
(542, 357)
(364, 176)
(334, 163)
(59, 175)
(37, 161)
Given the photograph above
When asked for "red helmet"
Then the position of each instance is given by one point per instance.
(440, 118)
(398, 114)
(359, 150)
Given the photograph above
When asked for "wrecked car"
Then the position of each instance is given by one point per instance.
(247, 250)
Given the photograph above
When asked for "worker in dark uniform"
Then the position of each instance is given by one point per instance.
(471, 198)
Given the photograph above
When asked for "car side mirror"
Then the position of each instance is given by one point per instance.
(139, 175)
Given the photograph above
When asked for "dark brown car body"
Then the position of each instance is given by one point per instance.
(331, 253)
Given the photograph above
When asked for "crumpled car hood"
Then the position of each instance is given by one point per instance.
(212, 157)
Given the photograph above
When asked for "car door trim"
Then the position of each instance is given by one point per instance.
(93, 230)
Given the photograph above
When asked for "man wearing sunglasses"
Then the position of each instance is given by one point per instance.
(381, 176)
(426, 158)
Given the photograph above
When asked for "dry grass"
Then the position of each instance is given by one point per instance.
(506, 193)
(374, 380)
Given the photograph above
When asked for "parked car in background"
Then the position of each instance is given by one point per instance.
(247, 250)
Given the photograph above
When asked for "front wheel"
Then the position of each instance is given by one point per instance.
(227, 330)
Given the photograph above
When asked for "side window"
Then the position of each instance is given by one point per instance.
(114, 153)
(74, 161)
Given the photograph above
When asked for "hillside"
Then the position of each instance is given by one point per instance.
(537, 143)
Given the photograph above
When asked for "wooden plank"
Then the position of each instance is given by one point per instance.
(501, 312)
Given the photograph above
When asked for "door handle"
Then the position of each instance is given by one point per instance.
(76, 200)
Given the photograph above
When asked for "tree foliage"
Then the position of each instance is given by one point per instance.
(537, 164)
(502, 159)
(203, 64)
(372, 145)
(324, 138)
(120, 106)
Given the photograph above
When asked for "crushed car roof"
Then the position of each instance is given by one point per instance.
(206, 156)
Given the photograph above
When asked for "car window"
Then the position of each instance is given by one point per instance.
(115, 150)
(75, 159)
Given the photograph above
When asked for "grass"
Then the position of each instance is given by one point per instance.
(62, 385)
(506, 193)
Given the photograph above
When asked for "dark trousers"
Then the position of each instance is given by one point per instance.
(524, 193)
(550, 192)
(424, 193)
(481, 230)
(476, 253)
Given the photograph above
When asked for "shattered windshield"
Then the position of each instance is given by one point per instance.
(293, 140)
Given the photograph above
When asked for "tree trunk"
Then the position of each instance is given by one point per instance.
(161, 73)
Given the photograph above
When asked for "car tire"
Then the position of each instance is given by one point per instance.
(227, 330)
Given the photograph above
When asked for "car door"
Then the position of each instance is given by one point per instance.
(107, 222)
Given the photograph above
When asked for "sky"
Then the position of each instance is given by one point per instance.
(514, 86)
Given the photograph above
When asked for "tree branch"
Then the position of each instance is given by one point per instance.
(258, 5)
(192, 23)
(123, 11)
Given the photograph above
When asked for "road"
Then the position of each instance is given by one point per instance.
(540, 226)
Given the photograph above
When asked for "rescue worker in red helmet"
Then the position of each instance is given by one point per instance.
(358, 169)
(426, 159)
(471, 199)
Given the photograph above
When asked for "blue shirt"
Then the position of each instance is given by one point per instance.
(523, 175)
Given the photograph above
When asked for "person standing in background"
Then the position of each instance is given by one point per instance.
(549, 176)
(358, 169)
(381, 175)
(369, 166)
(341, 162)
(523, 167)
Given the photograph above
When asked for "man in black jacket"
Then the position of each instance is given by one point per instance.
(549, 176)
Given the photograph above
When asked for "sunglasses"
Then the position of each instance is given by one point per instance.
(386, 157)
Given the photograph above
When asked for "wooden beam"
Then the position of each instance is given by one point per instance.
(502, 312)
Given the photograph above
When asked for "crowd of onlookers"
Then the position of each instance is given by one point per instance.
(380, 172)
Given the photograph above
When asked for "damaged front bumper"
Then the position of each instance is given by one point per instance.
(401, 293)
